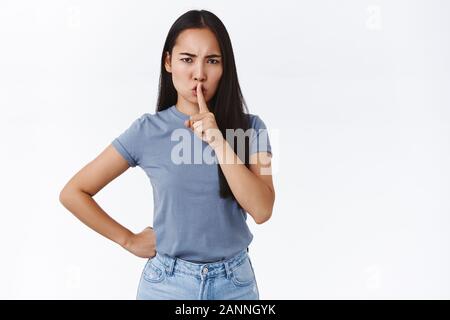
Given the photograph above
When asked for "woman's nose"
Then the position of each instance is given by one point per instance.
(199, 72)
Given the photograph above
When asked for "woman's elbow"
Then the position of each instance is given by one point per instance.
(267, 213)
(66, 194)
(264, 219)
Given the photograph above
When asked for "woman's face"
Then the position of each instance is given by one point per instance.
(196, 57)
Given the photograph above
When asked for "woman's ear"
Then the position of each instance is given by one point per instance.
(167, 63)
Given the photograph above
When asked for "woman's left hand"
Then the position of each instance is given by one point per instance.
(204, 123)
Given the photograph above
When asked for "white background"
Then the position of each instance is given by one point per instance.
(359, 91)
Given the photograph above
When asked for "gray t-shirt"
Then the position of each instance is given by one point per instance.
(190, 220)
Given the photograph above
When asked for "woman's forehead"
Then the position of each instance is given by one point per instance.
(197, 41)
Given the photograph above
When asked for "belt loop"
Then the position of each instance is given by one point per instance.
(171, 265)
(227, 269)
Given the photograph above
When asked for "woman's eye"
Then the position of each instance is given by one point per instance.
(215, 60)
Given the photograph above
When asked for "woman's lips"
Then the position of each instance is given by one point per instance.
(194, 91)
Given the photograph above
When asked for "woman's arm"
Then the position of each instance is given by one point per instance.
(252, 188)
(77, 197)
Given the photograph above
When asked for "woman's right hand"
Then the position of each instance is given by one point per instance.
(142, 244)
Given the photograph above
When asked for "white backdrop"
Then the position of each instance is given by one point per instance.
(359, 94)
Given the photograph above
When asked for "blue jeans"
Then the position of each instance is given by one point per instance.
(169, 278)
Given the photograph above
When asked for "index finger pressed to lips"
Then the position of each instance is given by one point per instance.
(203, 107)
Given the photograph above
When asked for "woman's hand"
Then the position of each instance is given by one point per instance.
(142, 244)
(204, 123)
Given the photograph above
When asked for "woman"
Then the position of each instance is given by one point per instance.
(199, 247)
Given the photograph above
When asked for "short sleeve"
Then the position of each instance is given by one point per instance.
(259, 138)
(129, 141)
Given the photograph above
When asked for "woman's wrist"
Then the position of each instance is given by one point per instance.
(126, 239)
(218, 142)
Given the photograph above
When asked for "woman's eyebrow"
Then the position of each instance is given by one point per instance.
(208, 56)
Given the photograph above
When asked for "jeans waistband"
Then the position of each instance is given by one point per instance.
(202, 270)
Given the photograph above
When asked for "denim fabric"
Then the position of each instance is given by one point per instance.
(168, 278)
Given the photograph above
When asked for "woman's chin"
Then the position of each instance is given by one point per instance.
(195, 99)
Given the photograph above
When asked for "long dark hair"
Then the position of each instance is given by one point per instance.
(228, 104)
